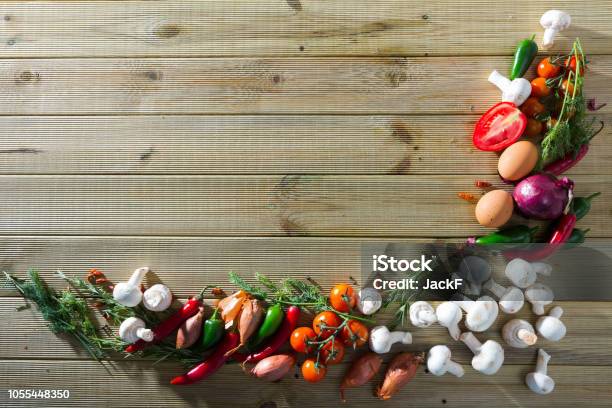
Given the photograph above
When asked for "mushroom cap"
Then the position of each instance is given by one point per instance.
(539, 295)
(481, 314)
(518, 91)
(369, 301)
(521, 273)
(437, 359)
(551, 328)
(489, 359)
(422, 314)
(556, 19)
(540, 383)
(510, 333)
(475, 270)
(378, 337)
(157, 298)
(128, 331)
(127, 294)
(449, 315)
(512, 301)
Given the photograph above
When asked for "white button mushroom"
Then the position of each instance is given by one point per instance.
(381, 339)
(128, 293)
(523, 274)
(133, 329)
(422, 314)
(516, 91)
(449, 315)
(157, 298)
(542, 268)
(551, 327)
(480, 314)
(369, 301)
(553, 21)
(511, 298)
(488, 357)
(439, 362)
(519, 333)
(539, 295)
(539, 381)
(474, 271)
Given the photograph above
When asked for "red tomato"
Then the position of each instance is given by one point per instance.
(313, 372)
(548, 70)
(499, 127)
(342, 298)
(570, 64)
(354, 334)
(532, 107)
(332, 352)
(539, 87)
(328, 319)
(299, 337)
(533, 128)
(567, 86)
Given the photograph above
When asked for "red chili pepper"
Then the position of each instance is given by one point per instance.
(559, 236)
(482, 184)
(213, 363)
(163, 330)
(292, 316)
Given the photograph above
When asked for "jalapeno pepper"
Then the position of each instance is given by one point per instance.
(214, 327)
(523, 57)
(576, 238)
(278, 339)
(520, 234)
(273, 319)
(582, 205)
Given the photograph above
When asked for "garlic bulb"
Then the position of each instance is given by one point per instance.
(157, 298)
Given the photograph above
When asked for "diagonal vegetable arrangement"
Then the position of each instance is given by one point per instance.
(252, 325)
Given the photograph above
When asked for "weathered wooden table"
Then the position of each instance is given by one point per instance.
(200, 137)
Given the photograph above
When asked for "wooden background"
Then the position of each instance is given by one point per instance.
(199, 137)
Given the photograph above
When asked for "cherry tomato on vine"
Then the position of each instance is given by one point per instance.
(500, 126)
(534, 128)
(567, 86)
(539, 87)
(548, 70)
(328, 319)
(299, 337)
(342, 298)
(532, 107)
(570, 65)
(332, 352)
(354, 334)
(313, 372)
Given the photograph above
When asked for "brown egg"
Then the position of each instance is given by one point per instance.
(518, 160)
(495, 208)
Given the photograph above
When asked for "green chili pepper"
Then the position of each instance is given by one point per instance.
(273, 319)
(582, 205)
(523, 57)
(577, 237)
(214, 328)
(520, 234)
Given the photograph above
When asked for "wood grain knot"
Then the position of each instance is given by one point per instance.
(27, 76)
(154, 75)
(167, 31)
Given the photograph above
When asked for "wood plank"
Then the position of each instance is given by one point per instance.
(384, 206)
(125, 384)
(276, 27)
(255, 145)
(589, 341)
(450, 85)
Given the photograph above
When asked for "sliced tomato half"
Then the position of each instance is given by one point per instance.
(499, 127)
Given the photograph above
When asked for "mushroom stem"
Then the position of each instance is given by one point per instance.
(556, 311)
(542, 362)
(400, 337)
(499, 80)
(471, 341)
(549, 36)
(145, 334)
(138, 276)
(527, 337)
(495, 288)
(426, 316)
(454, 368)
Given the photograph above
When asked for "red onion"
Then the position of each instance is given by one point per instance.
(542, 196)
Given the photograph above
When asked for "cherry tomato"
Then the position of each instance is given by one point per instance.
(567, 86)
(570, 64)
(354, 334)
(533, 128)
(329, 319)
(539, 87)
(532, 107)
(499, 127)
(299, 337)
(332, 352)
(548, 70)
(313, 372)
(342, 298)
